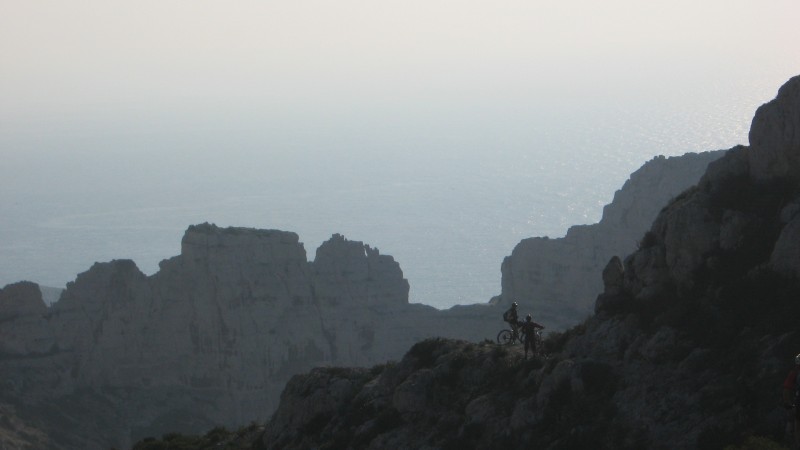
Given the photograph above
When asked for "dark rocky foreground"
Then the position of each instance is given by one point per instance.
(613, 384)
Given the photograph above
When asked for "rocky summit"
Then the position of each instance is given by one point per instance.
(688, 348)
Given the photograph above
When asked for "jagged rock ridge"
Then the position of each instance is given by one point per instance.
(210, 339)
(558, 278)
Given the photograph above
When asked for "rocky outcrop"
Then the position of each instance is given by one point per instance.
(558, 279)
(741, 218)
(715, 293)
(21, 299)
(693, 336)
(775, 137)
(22, 325)
(211, 339)
(345, 272)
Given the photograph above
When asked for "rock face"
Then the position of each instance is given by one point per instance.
(742, 215)
(210, 339)
(692, 339)
(558, 279)
(775, 137)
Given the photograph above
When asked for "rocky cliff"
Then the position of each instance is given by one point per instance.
(691, 340)
(558, 278)
(210, 339)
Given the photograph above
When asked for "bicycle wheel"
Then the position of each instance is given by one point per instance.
(505, 337)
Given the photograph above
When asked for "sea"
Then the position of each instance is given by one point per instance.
(447, 192)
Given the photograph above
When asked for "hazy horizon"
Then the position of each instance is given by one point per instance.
(440, 132)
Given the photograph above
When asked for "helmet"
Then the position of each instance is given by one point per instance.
(528, 318)
(797, 360)
(514, 304)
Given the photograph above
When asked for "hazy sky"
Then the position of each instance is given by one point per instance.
(84, 78)
(109, 107)
(193, 62)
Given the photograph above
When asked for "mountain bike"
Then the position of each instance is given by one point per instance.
(508, 337)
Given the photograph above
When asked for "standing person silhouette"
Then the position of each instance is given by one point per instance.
(512, 318)
(529, 327)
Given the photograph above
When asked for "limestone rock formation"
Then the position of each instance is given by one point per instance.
(211, 339)
(775, 137)
(742, 214)
(21, 313)
(21, 299)
(558, 279)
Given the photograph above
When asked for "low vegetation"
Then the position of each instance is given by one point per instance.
(219, 438)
